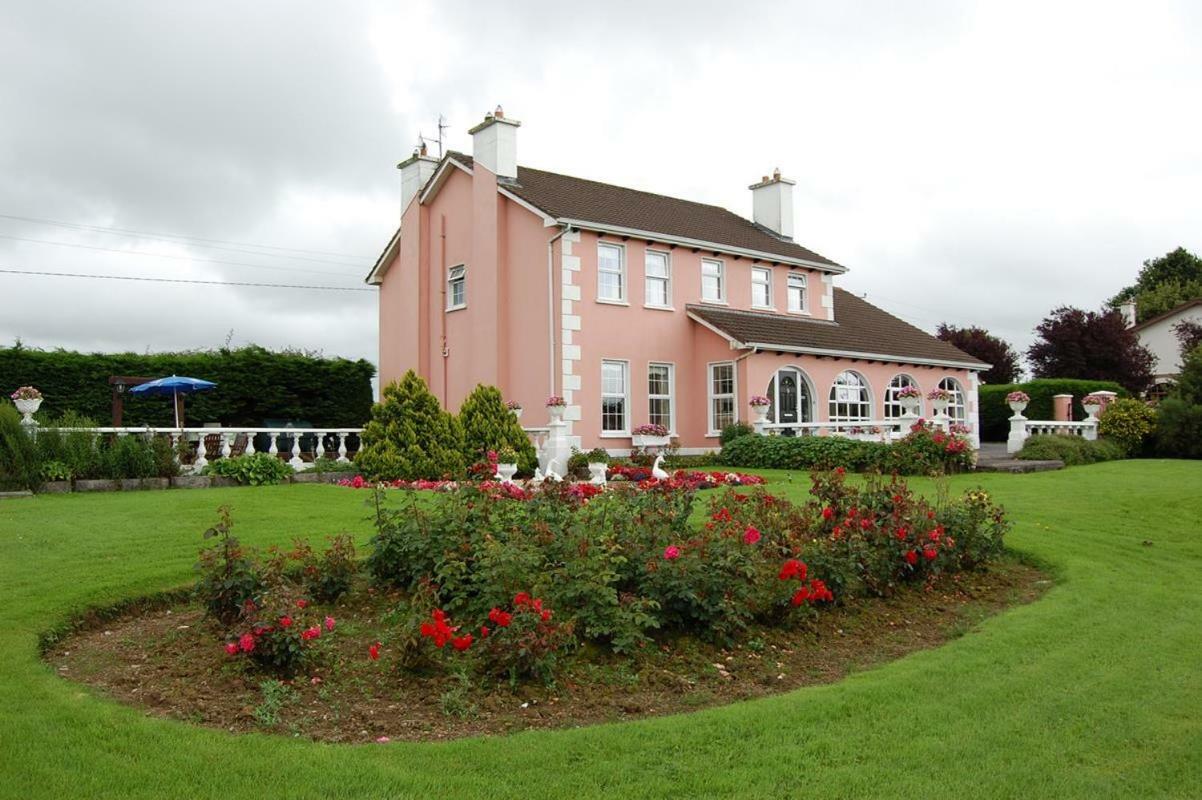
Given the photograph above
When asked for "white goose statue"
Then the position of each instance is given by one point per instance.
(657, 471)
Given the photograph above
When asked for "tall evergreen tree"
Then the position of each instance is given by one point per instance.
(410, 436)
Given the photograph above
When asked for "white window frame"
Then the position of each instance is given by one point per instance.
(755, 271)
(621, 273)
(625, 365)
(670, 396)
(865, 403)
(957, 405)
(804, 293)
(667, 279)
(710, 396)
(721, 276)
(891, 406)
(452, 279)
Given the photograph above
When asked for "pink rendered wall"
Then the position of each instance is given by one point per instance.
(500, 337)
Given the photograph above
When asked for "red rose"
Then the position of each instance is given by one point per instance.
(462, 643)
(751, 535)
(373, 652)
(930, 553)
(232, 648)
(302, 603)
(800, 596)
(310, 633)
(911, 557)
(792, 569)
(521, 599)
(285, 622)
(545, 616)
(246, 642)
(828, 512)
(329, 623)
(483, 631)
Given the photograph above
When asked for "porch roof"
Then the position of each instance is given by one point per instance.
(861, 330)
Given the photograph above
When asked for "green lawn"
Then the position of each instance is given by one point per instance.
(1094, 691)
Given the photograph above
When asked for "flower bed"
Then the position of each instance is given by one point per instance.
(640, 476)
(476, 595)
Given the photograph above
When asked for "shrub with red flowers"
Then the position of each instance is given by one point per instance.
(230, 576)
(625, 563)
(279, 636)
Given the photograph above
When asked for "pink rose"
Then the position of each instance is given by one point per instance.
(671, 552)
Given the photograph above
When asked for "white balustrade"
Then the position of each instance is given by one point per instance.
(229, 439)
(1021, 428)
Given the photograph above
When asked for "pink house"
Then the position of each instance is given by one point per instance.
(637, 308)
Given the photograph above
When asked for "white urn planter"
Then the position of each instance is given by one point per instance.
(939, 404)
(1018, 406)
(641, 440)
(910, 406)
(505, 472)
(1092, 409)
(597, 472)
(28, 408)
(517, 412)
(760, 414)
(556, 413)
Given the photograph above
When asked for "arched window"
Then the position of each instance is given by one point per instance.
(850, 399)
(791, 398)
(956, 410)
(893, 406)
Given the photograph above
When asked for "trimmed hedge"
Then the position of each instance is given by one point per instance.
(995, 414)
(253, 385)
(1072, 450)
(921, 452)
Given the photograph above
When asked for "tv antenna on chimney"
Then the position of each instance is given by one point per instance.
(442, 126)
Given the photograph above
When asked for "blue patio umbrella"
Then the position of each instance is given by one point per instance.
(173, 385)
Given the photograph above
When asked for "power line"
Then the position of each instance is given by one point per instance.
(172, 255)
(41, 273)
(174, 236)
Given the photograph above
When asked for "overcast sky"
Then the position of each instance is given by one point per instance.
(974, 163)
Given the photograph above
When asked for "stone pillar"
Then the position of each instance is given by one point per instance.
(558, 448)
(1107, 399)
(1062, 407)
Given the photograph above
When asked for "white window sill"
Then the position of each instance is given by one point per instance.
(763, 308)
(615, 434)
(801, 313)
(714, 302)
(456, 308)
(658, 308)
(612, 302)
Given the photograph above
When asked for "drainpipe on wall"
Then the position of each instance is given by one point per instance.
(442, 257)
(551, 306)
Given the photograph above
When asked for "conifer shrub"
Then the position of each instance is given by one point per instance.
(20, 467)
(410, 436)
(489, 425)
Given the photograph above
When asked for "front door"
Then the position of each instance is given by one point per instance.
(788, 410)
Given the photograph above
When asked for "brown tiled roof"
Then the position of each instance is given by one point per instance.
(1188, 304)
(565, 197)
(859, 327)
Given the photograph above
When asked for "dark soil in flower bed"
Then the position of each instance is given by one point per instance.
(164, 658)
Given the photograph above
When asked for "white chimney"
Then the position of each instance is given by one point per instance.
(1127, 309)
(772, 204)
(415, 172)
(495, 144)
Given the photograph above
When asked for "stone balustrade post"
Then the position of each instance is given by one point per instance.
(558, 448)
(1018, 433)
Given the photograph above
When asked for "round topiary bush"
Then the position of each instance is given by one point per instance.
(1127, 422)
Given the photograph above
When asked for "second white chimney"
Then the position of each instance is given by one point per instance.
(415, 172)
(495, 144)
(1127, 309)
(772, 204)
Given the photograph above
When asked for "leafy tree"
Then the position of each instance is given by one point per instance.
(1164, 283)
(1091, 345)
(410, 436)
(1179, 424)
(980, 343)
(1189, 335)
(488, 425)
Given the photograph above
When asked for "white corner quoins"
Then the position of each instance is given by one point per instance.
(569, 325)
